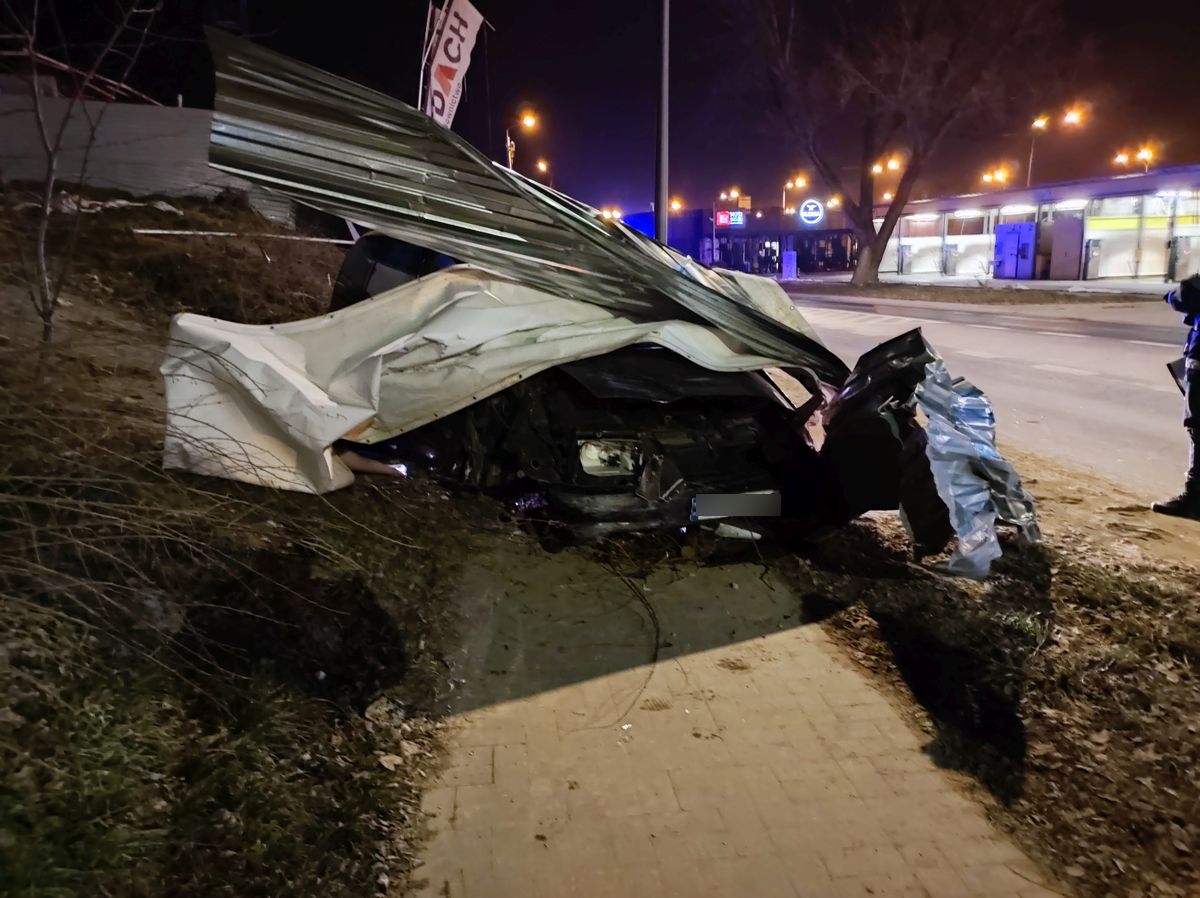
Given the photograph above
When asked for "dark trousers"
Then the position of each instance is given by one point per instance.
(1191, 421)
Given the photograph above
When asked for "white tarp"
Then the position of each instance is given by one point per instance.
(264, 403)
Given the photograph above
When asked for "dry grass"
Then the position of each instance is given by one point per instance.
(198, 679)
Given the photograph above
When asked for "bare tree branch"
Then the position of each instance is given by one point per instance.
(876, 78)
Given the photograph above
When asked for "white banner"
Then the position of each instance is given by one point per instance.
(457, 29)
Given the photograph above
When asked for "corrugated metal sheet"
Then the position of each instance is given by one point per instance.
(370, 158)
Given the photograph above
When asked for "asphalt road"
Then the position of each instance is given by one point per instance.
(1084, 384)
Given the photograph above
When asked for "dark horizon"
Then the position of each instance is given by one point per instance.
(589, 70)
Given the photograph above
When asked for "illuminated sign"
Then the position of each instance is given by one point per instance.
(737, 218)
(723, 218)
(811, 212)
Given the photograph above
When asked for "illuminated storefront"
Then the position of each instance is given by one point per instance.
(1130, 226)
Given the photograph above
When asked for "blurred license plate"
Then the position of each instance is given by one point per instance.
(763, 504)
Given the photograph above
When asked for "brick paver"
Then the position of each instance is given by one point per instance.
(751, 760)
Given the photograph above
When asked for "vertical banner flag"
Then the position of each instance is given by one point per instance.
(458, 26)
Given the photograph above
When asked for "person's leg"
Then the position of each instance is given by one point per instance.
(1187, 503)
(1192, 423)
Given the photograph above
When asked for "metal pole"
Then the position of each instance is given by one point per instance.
(510, 147)
(712, 256)
(424, 54)
(1029, 167)
(662, 204)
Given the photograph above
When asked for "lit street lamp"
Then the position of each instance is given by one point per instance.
(888, 196)
(528, 121)
(676, 204)
(834, 202)
(1040, 124)
(995, 176)
(893, 164)
(877, 169)
(797, 183)
(1144, 155)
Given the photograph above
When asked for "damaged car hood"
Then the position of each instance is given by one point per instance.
(264, 404)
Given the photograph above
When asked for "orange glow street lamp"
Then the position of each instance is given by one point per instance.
(797, 183)
(1073, 116)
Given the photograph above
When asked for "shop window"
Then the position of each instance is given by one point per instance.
(1115, 206)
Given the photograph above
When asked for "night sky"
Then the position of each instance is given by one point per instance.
(589, 67)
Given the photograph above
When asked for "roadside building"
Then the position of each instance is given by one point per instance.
(759, 240)
(1143, 226)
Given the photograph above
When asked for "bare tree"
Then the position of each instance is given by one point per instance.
(859, 79)
(93, 82)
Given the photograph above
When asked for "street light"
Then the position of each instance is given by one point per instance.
(676, 204)
(834, 202)
(528, 122)
(995, 176)
(734, 193)
(1072, 116)
(893, 164)
(795, 183)
(887, 196)
(1122, 158)
(1145, 156)
(1039, 124)
(543, 166)
(877, 169)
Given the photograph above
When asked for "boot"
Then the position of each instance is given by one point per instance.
(1185, 505)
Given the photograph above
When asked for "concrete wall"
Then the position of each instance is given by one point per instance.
(139, 149)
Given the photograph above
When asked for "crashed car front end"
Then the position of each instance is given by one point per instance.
(628, 440)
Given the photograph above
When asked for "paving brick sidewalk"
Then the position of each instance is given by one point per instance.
(753, 759)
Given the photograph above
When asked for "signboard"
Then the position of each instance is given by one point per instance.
(811, 212)
(723, 218)
(457, 27)
(727, 218)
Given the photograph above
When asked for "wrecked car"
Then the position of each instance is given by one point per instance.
(566, 362)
